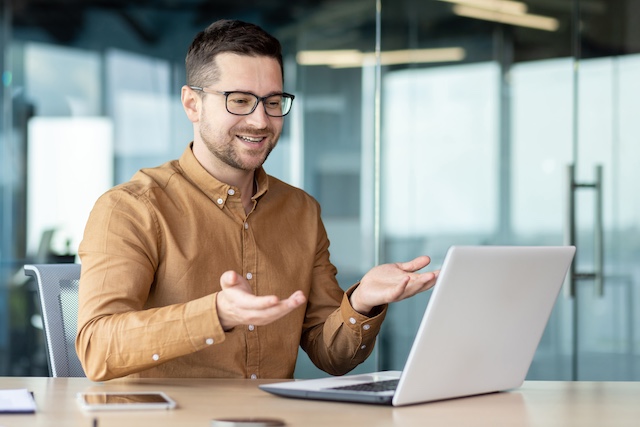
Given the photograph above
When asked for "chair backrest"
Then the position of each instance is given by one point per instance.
(58, 292)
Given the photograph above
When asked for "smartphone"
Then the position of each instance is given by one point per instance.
(118, 401)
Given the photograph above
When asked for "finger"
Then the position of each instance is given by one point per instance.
(229, 279)
(425, 281)
(295, 300)
(266, 302)
(253, 302)
(267, 315)
(415, 264)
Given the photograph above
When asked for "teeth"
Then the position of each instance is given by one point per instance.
(246, 138)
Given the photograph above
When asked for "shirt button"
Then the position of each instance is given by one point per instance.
(209, 341)
(220, 201)
(352, 320)
(366, 327)
(155, 357)
(231, 192)
(246, 226)
(249, 276)
(251, 327)
(254, 376)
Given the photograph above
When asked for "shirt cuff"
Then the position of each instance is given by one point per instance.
(355, 320)
(202, 322)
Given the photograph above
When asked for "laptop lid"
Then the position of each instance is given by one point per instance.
(478, 334)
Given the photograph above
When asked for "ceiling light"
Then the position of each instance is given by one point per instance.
(414, 56)
(505, 6)
(503, 11)
(538, 22)
(356, 58)
(336, 58)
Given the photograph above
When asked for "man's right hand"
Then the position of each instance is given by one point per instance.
(237, 305)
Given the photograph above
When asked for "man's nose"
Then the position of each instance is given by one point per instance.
(259, 117)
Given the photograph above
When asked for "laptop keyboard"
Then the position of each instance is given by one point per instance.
(375, 386)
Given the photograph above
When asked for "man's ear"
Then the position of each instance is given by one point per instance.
(191, 103)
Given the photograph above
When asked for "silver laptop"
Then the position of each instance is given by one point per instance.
(478, 334)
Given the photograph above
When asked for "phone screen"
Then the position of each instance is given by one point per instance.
(112, 398)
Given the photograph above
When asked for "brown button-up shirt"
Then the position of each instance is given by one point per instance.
(152, 256)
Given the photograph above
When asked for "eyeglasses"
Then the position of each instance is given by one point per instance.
(245, 103)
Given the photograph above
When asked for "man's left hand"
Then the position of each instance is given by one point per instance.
(388, 283)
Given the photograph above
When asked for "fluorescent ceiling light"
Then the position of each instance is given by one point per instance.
(332, 58)
(505, 6)
(412, 56)
(522, 20)
(503, 11)
(355, 58)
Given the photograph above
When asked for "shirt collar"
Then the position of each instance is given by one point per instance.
(216, 190)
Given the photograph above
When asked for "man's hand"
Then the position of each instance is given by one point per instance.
(388, 283)
(237, 305)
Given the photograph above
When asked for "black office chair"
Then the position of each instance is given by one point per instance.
(58, 295)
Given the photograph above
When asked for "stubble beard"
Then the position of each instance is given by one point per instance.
(229, 155)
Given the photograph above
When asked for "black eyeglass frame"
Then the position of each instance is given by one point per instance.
(258, 99)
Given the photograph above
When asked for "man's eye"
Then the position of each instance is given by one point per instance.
(239, 101)
(273, 103)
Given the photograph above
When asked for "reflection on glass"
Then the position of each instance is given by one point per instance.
(439, 130)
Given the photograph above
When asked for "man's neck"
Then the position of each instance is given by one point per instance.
(243, 180)
(247, 187)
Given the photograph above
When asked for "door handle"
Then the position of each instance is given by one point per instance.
(598, 236)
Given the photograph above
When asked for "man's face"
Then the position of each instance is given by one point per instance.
(241, 142)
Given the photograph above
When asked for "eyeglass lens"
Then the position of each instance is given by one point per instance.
(244, 103)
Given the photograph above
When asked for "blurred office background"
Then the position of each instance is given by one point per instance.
(417, 124)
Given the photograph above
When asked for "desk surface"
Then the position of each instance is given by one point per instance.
(537, 403)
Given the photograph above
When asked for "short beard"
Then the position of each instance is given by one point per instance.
(228, 155)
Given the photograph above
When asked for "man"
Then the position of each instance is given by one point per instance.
(208, 267)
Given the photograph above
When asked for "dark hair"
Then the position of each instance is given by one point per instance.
(232, 36)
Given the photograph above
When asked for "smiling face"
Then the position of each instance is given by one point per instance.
(226, 143)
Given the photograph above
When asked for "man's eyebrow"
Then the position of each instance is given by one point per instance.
(279, 92)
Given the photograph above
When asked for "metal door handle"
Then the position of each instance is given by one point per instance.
(598, 236)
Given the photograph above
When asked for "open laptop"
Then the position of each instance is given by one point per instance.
(478, 334)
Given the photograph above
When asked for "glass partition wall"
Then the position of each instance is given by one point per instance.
(417, 124)
(527, 138)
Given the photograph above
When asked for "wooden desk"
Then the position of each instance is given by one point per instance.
(562, 404)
